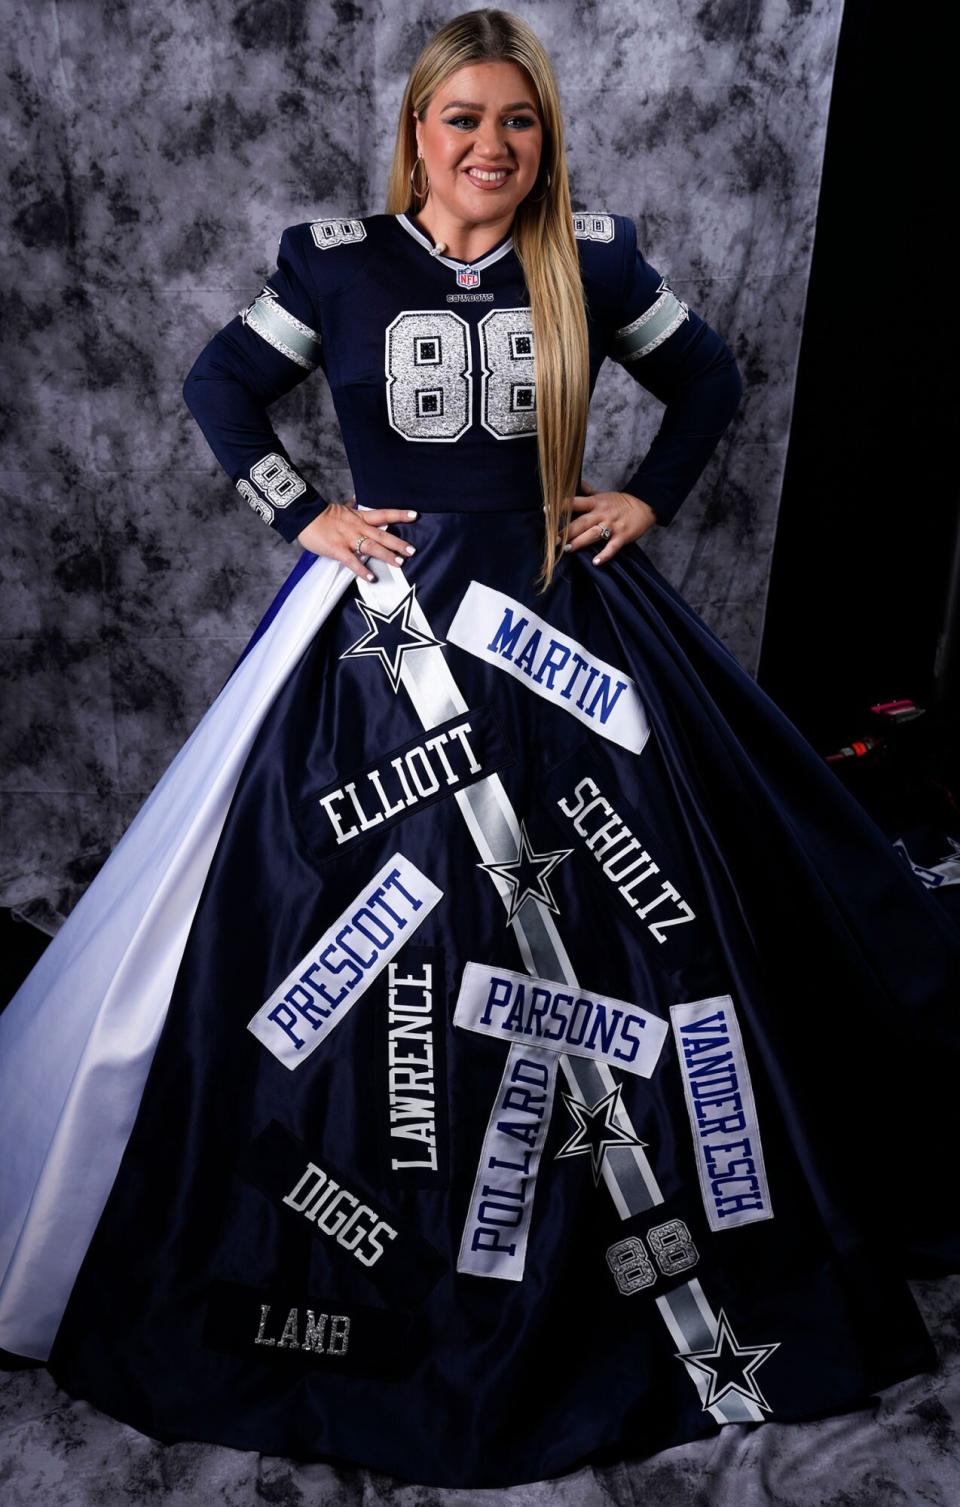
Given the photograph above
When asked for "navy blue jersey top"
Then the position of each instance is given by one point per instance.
(431, 365)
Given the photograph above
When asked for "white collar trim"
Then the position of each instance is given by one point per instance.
(449, 261)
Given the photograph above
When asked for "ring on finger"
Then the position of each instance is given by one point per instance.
(604, 532)
(356, 548)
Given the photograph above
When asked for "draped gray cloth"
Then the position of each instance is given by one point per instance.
(156, 157)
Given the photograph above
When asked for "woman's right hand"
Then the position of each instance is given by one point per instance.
(335, 532)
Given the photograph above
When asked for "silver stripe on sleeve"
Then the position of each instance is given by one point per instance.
(649, 329)
(282, 330)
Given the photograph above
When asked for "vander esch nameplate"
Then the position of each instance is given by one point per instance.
(723, 1115)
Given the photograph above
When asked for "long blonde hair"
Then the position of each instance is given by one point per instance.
(543, 239)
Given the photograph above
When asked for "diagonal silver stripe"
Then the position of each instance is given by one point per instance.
(493, 824)
(283, 331)
(694, 1326)
(650, 329)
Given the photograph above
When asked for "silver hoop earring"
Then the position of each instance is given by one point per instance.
(421, 193)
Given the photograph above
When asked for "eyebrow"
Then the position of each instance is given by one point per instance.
(466, 104)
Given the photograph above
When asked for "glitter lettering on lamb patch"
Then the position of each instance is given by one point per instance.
(294, 1326)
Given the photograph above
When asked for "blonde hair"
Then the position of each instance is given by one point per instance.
(543, 239)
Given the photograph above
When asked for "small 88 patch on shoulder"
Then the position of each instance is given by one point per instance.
(337, 231)
(593, 225)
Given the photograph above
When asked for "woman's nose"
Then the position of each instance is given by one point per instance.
(491, 142)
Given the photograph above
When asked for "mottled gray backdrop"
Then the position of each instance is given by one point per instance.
(154, 153)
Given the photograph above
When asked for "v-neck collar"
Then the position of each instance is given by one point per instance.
(502, 247)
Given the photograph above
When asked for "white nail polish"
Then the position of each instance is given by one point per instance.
(411, 513)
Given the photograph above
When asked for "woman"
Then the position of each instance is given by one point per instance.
(498, 1042)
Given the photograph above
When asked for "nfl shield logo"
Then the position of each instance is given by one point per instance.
(467, 277)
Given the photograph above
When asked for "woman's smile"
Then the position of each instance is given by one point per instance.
(488, 178)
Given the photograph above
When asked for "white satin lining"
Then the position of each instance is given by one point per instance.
(78, 1037)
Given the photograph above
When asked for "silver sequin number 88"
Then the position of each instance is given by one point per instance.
(672, 1248)
(429, 370)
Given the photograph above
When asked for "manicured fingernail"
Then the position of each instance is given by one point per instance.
(411, 549)
(565, 548)
(398, 560)
(411, 513)
(371, 576)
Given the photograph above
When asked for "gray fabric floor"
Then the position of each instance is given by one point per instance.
(903, 1451)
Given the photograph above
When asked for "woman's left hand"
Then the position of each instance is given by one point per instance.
(626, 516)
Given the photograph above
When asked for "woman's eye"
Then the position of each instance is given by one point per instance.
(522, 120)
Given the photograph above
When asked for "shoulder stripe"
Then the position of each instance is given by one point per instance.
(650, 328)
(282, 329)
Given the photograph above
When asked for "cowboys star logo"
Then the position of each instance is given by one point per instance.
(596, 1131)
(730, 1366)
(390, 636)
(265, 292)
(527, 874)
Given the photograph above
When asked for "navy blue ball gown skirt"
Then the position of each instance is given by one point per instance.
(499, 1043)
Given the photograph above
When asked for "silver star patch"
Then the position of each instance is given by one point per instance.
(390, 636)
(596, 1131)
(730, 1366)
(527, 874)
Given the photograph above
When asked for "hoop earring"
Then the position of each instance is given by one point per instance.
(541, 197)
(420, 193)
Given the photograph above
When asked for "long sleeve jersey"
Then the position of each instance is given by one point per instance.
(431, 366)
